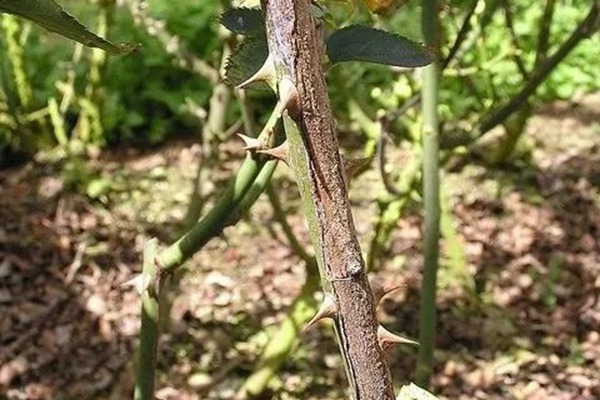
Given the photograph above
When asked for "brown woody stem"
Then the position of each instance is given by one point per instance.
(296, 47)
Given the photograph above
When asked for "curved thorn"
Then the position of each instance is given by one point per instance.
(288, 94)
(250, 142)
(140, 283)
(280, 152)
(387, 338)
(266, 73)
(328, 309)
(381, 289)
(354, 166)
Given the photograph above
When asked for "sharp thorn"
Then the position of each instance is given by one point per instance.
(354, 166)
(140, 283)
(387, 338)
(280, 152)
(266, 73)
(381, 289)
(250, 142)
(328, 309)
(288, 94)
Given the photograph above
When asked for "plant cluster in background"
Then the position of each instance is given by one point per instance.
(149, 97)
(142, 99)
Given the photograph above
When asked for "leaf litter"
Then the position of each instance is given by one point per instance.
(530, 330)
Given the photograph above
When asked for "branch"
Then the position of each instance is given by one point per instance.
(455, 52)
(543, 43)
(213, 223)
(243, 190)
(402, 189)
(584, 30)
(295, 46)
(515, 41)
(149, 331)
(462, 34)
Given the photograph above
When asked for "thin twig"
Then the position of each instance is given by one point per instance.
(389, 185)
(462, 34)
(514, 39)
(585, 29)
(543, 43)
(455, 53)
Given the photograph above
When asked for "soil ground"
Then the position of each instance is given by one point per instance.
(519, 308)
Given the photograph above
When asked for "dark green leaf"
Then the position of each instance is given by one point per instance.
(246, 60)
(243, 20)
(361, 43)
(51, 16)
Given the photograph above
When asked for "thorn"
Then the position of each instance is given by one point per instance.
(140, 282)
(354, 166)
(388, 339)
(381, 289)
(288, 94)
(328, 309)
(250, 142)
(280, 152)
(266, 73)
(351, 167)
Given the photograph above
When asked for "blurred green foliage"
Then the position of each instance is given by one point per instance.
(485, 75)
(146, 97)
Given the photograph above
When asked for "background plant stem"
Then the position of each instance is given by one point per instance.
(431, 197)
(149, 331)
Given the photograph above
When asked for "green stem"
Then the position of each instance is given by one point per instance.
(431, 196)
(212, 224)
(251, 172)
(220, 215)
(149, 332)
(246, 111)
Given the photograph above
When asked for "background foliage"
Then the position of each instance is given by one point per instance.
(148, 98)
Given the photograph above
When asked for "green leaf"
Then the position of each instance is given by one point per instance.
(361, 43)
(246, 60)
(51, 16)
(243, 20)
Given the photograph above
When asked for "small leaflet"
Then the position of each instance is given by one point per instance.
(51, 16)
(362, 43)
